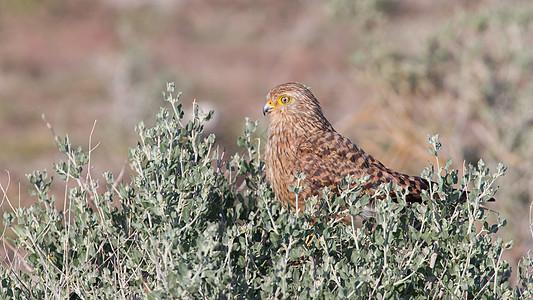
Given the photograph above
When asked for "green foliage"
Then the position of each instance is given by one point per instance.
(191, 224)
(470, 81)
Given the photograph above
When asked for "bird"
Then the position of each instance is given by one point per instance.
(301, 139)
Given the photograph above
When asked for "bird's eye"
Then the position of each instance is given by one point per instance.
(284, 100)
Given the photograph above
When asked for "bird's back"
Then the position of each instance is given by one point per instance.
(327, 157)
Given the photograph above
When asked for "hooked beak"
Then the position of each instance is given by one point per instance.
(268, 107)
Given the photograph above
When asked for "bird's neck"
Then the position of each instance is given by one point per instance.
(291, 131)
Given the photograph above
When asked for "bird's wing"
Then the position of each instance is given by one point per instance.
(329, 157)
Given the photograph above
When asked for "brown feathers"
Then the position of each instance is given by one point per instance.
(301, 138)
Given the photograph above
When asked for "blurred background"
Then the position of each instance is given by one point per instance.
(387, 73)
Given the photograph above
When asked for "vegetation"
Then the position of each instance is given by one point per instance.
(191, 223)
(468, 80)
(196, 222)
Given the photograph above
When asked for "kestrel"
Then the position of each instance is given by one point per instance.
(300, 138)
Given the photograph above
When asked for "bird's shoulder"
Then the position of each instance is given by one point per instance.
(328, 157)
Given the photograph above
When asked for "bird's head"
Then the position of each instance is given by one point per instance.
(294, 102)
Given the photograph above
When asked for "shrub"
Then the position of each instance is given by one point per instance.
(191, 224)
(469, 80)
